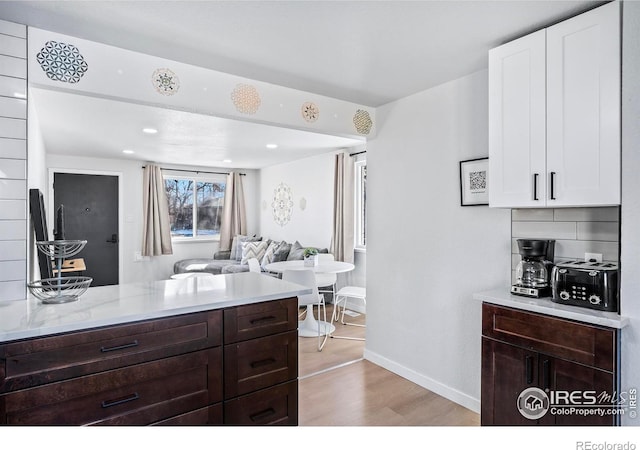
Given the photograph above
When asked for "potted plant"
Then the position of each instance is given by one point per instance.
(310, 256)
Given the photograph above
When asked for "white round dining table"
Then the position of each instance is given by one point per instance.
(309, 326)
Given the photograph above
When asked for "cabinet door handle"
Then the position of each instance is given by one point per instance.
(262, 362)
(545, 374)
(262, 320)
(552, 182)
(119, 347)
(529, 369)
(262, 414)
(120, 401)
(535, 186)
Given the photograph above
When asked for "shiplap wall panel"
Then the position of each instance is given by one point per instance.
(12, 250)
(13, 46)
(11, 66)
(15, 169)
(13, 107)
(12, 270)
(13, 210)
(10, 86)
(12, 290)
(13, 161)
(13, 189)
(13, 128)
(13, 149)
(13, 29)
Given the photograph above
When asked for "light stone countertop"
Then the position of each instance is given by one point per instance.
(111, 305)
(503, 297)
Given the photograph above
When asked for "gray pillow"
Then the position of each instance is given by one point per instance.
(282, 252)
(296, 252)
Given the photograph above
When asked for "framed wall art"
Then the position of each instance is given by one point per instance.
(474, 187)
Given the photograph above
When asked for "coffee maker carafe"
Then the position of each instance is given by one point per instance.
(534, 269)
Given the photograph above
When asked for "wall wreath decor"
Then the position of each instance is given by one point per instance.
(282, 204)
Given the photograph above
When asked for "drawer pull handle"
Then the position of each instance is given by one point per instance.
(119, 347)
(120, 401)
(262, 362)
(262, 320)
(545, 374)
(262, 415)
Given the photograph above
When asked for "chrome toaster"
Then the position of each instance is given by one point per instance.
(588, 284)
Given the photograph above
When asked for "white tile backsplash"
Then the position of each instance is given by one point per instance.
(13, 46)
(13, 189)
(576, 231)
(13, 169)
(13, 128)
(13, 29)
(13, 67)
(13, 107)
(13, 210)
(12, 230)
(10, 86)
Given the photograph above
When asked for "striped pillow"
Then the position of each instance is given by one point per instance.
(255, 249)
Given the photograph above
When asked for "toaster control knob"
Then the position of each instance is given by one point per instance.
(564, 295)
(594, 299)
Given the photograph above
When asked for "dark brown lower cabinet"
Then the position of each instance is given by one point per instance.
(573, 363)
(204, 368)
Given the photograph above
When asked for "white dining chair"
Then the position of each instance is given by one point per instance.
(326, 282)
(310, 327)
(343, 296)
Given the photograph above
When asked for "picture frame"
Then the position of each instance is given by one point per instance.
(474, 182)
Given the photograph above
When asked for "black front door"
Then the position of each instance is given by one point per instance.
(91, 213)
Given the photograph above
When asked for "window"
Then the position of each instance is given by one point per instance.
(361, 204)
(195, 206)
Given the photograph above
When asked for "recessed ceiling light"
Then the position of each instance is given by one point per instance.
(226, 160)
(272, 146)
(149, 130)
(128, 152)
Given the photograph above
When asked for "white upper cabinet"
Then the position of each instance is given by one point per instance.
(554, 115)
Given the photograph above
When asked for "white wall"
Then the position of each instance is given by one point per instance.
(310, 179)
(156, 267)
(427, 255)
(630, 219)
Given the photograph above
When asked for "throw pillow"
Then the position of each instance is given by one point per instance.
(282, 252)
(241, 240)
(269, 254)
(296, 252)
(253, 249)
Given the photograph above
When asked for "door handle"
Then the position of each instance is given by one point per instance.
(114, 239)
(535, 186)
(553, 179)
(529, 369)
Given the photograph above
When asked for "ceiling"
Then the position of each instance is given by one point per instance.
(366, 52)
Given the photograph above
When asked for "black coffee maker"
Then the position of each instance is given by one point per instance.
(533, 272)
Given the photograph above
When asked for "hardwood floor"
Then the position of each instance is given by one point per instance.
(338, 388)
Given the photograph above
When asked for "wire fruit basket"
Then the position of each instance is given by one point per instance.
(60, 289)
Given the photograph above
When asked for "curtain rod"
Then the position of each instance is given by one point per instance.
(196, 171)
(358, 153)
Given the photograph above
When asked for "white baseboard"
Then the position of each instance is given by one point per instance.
(428, 383)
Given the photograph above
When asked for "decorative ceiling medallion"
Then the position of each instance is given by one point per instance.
(362, 121)
(282, 204)
(62, 62)
(165, 81)
(246, 98)
(310, 112)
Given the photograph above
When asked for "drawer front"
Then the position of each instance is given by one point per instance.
(260, 363)
(277, 405)
(135, 395)
(261, 319)
(587, 344)
(43, 360)
(211, 415)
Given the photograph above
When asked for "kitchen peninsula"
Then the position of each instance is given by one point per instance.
(215, 350)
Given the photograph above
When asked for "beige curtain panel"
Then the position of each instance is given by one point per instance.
(234, 216)
(342, 240)
(156, 235)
